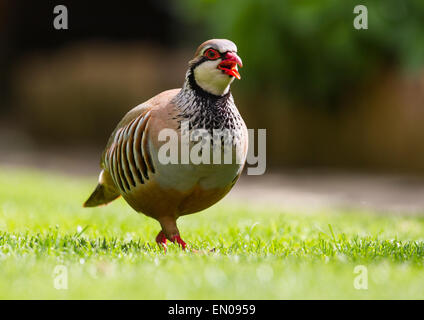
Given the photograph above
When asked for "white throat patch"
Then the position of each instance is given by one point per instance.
(211, 79)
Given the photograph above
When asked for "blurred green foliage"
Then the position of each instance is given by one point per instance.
(310, 49)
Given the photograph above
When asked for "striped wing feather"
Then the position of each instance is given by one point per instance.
(127, 158)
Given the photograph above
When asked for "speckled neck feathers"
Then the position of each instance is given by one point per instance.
(204, 110)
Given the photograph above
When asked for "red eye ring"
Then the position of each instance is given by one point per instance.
(212, 54)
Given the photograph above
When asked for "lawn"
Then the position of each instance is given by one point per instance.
(244, 252)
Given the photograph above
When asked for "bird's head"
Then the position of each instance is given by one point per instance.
(214, 66)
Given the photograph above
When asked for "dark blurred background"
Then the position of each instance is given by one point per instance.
(329, 95)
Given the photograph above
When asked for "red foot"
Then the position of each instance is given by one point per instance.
(161, 239)
(179, 241)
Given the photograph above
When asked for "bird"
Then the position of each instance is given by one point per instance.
(131, 166)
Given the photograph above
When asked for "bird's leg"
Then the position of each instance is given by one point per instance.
(170, 231)
(161, 239)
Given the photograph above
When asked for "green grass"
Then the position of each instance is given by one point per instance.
(259, 252)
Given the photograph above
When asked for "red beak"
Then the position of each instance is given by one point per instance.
(229, 64)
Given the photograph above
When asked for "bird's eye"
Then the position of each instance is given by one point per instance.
(211, 54)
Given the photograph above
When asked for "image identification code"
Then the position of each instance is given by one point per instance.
(215, 309)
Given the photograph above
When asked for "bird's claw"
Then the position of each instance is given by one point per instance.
(161, 240)
(177, 239)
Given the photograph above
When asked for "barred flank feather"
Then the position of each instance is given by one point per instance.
(128, 159)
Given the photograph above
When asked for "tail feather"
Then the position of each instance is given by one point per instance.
(100, 196)
(104, 193)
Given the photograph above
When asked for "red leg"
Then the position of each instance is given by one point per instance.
(161, 240)
(170, 230)
(179, 241)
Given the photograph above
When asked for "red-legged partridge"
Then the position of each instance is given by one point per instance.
(131, 163)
